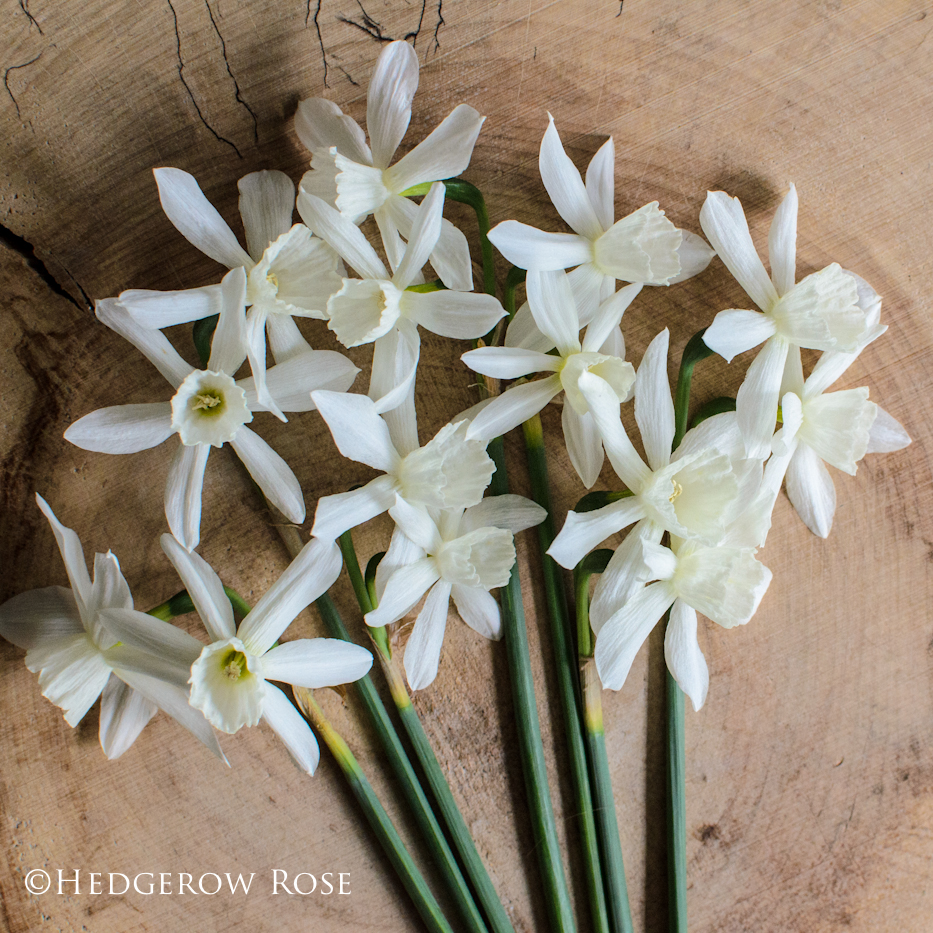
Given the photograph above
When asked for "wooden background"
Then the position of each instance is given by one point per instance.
(809, 772)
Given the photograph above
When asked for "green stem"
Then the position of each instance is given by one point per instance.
(534, 765)
(376, 816)
(431, 831)
(181, 604)
(515, 278)
(694, 351)
(715, 406)
(363, 596)
(602, 887)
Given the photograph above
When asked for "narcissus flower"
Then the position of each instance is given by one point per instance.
(78, 659)
(360, 180)
(462, 554)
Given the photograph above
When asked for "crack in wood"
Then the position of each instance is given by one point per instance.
(348, 76)
(440, 22)
(371, 27)
(414, 35)
(236, 84)
(25, 249)
(181, 77)
(24, 6)
(6, 80)
(320, 38)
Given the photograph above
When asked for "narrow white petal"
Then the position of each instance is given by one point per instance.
(392, 241)
(723, 222)
(416, 524)
(316, 662)
(694, 253)
(449, 313)
(343, 511)
(682, 653)
(291, 728)
(509, 362)
(445, 153)
(811, 491)
(388, 101)
(358, 431)
(285, 339)
(608, 316)
(511, 512)
(72, 674)
(513, 407)
(832, 364)
(530, 248)
(423, 649)
(392, 384)
(479, 609)
(425, 232)
(156, 310)
(554, 309)
(583, 531)
(161, 640)
(123, 429)
(565, 186)
(271, 473)
(124, 713)
(228, 346)
(523, 332)
(196, 219)
(887, 434)
(204, 588)
(402, 551)
(584, 444)
(162, 665)
(291, 383)
(600, 183)
(38, 616)
(620, 638)
(308, 576)
(183, 493)
(590, 288)
(69, 544)
(654, 407)
(757, 400)
(267, 200)
(782, 243)
(792, 379)
(733, 332)
(402, 591)
(321, 124)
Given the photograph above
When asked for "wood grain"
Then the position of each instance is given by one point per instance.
(810, 771)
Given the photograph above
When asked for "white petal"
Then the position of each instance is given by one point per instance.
(423, 649)
(402, 551)
(530, 248)
(792, 378)
(291, 383)
(291, 728)
(508, 511)
(723, 222)
(811, 491)
(308, 576)
(584, 444)
(204, 588)
(339, 513)
(682, 653)
(392, 241)
(197, 219)
(565, 187)
(416, 524)
(392, 383)
(153, 344)
(69, 544)
(123, 429)
(449, 313)
(361, 189)
(403, 590)
(508, 362)
(156, 310)
(72, 674)
(583, 531)
(554, 309)
(523, 332)
(513, 407)
(342, 235)
(785, 440)
(162, 641)
(124, 713)
(359, 433)
(271, 473)
(109, 591)
(608, 316)
(782, 243)
(162, 665)
(321, 179)
(837, 426)
(267, 201)
(479, 609)
(425, 232)
(600, 183)
(642, 247)
(321, 124)
(183, 493)
(654, 407)
(228, 347)
(316, 662)
(445, 153)
(38, 616)
(757, 400)
(285, 338)
(388, 101)
(694, 253)
(887, 434)
(733, 332)
(620, 638)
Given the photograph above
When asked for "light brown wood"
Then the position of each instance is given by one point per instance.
(809, 772)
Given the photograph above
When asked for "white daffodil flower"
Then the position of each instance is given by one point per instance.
(209, 409)
(360, 181)
(449, 472)
(828, 310)
(230, 677)
(642, 247)
(463, 554)
(289, 272)
(555, 313)
(379, 308)
(724, 583)
(78, 660)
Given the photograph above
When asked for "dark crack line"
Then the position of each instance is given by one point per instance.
(414, 35)
(440, 22)
(6, 80)
(236, 84)
(349, 77)
(181, 77)
(369, 25)
(24, 6)
(27, 251)
(621, 4)
(320, 38)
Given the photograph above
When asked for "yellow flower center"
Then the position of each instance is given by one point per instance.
(273, 280)
(205, 401)
(233, 664)
(678, 489)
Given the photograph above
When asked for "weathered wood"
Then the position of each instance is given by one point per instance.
(810, 770)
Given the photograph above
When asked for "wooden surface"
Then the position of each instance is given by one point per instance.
(809, 772)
